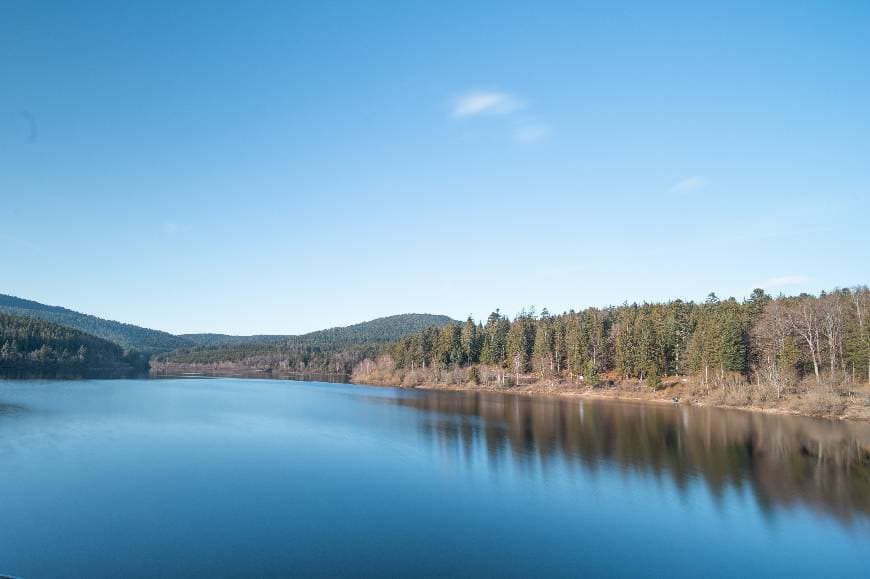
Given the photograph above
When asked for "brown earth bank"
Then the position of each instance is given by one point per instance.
(843, 402)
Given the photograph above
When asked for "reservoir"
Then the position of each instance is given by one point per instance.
(249, 477)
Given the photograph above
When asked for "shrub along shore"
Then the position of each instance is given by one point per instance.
(736, 393)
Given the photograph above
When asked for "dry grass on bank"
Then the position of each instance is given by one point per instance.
(844, 401)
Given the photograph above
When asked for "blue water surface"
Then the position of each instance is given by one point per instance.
(250, 477)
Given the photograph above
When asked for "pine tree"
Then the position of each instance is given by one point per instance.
(449, 346)
(626, 342)
(470, 342)
(575, 345)
(545, 345)
(520, 343)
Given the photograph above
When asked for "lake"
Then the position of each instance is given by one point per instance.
(248, 477)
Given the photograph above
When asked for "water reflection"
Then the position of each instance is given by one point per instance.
(785, 461)
(10, 409)
(231, 372)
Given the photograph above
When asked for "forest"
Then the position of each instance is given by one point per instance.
(379, 330)
(756, 349)
(128, 336)
(334, 351)
(34, 348)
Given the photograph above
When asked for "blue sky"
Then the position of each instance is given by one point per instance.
(282, 167)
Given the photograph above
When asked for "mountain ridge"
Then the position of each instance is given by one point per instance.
(152, 342)
(418, 320)
(129, 336)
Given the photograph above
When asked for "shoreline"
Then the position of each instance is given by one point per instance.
(232, 371)
(662, 397)
(853, 412)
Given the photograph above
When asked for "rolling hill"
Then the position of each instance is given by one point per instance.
(34, 348)
(127, 336)
(212, 340)
(330, 351)
(379, 330)
(334, 349)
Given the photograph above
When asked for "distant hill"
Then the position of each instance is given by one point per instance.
(335, 350)
(388, 329)
(209, 340)
(34, 348)
(127, 336)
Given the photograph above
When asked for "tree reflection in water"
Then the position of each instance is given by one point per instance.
(785, 461)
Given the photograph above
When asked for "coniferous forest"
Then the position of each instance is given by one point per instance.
(782, 340)
(334, 351)
(128, 336)
(34, 348)
(756, 351)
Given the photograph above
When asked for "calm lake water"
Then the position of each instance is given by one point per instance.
(240, 478)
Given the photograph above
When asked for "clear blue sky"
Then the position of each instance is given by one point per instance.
(280, 167)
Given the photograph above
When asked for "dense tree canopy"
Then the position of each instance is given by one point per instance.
(127, 336)
(379, 330)
(332, 351)
(34, 348)
(782, 339)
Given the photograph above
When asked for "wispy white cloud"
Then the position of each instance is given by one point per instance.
(689, 185)
(531, 132)
(485, 103)
(784, 281)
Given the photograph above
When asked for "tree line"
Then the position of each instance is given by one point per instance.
(277, 357)
(782, 341)
(331, 351)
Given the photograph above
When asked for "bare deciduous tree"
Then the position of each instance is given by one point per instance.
(859, 297)
(831, 316)
(770, 333)
(803, 317)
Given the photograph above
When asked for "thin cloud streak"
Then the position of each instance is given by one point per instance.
(485, 103)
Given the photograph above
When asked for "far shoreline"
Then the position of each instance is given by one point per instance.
(661, 397)
(634, 393)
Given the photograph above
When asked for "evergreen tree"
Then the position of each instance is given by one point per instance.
(494, 346)
(520, 342)
(627, 347)
(470, 342)
(545, 345)
(449, 346)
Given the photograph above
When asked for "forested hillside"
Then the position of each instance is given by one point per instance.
(34, 348)
(211, 340)
(332, 351)
(750, 351)
(127, 336)
(379, 330)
